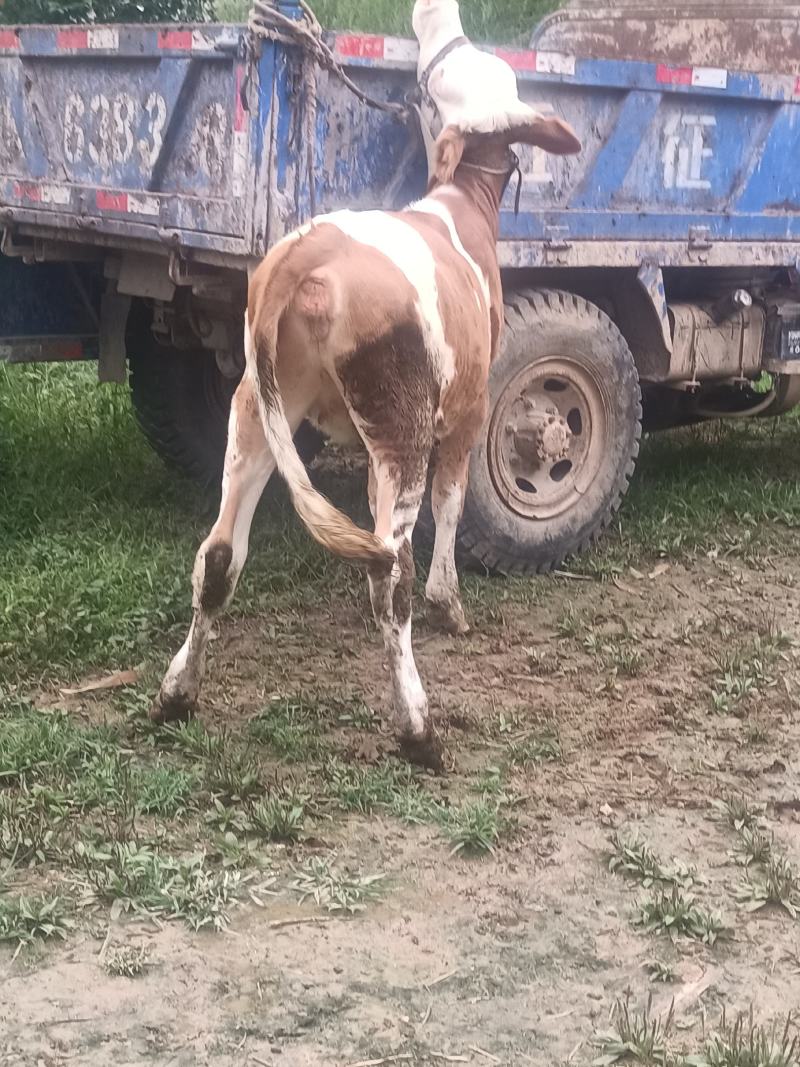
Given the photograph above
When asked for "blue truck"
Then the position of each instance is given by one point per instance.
(650, 282)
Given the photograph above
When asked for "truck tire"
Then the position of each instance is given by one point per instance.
(182, 402)
(787, 396)
(560, 445)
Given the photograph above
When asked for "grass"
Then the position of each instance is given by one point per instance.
(290, 728)
(498, 20)
(31, 830)
(748, 1044)
(97, 541)
(637, 1036)
(474, 828)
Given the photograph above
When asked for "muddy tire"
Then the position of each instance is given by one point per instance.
(560, 445)
(182, 403)
(787, 396)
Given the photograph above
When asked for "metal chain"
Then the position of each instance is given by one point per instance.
(266, 21)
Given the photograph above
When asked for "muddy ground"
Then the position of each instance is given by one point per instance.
(517, 957)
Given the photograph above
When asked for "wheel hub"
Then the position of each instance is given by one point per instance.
(545, 439)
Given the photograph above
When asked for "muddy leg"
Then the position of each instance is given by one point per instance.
(219, 562)
(396, 513)
(447, 500)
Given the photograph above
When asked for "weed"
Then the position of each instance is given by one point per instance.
(126, 961)
(290, 728)
(134, 877)
(738, 812)
(490, 782)
(27, 919)
(756, 733)
(635, 859)
(363, 789)
(30, 829)
(534, 748)
(742, 673)
(637, 1035)
(675, 914)
(165, 791)
(570, 622)
(416, 806)
(779, 884)
(754, 847)
(37, 745)
(473, 829)
(746, 1044)
(541, 661)
(225, 818)
(620, 656)
(335, 890)
(660, 972)
(625, 659)
(280, 816)
(191, 738)
(231, 772)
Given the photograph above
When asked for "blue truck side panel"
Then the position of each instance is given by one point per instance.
(180, 138)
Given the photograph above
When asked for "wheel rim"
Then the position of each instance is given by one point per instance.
(547, 436)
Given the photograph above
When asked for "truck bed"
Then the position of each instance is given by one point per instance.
(179, 137)
(134, 132)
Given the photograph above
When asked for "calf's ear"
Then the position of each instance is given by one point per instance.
(448, 151)
(547, 132)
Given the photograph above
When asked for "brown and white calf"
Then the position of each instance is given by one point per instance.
(384, 323)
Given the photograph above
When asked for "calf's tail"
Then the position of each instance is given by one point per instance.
(326, 524)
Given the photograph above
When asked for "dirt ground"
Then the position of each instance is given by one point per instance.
(517, 957)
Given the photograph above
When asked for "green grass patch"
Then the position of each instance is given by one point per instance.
(488, 20)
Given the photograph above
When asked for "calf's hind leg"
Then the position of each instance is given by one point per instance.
(221, 557)
(447, 503)
(395, 510)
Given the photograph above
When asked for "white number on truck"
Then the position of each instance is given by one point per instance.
(10, 144)
(686, 149)
(105, 130)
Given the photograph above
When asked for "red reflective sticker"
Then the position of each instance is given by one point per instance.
(72, 39)
(112, 201)
(673, 75)
(516, 59)
(360, 47)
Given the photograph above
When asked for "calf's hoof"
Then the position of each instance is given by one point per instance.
(448, 616)
(426, 751)
(177, 707)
